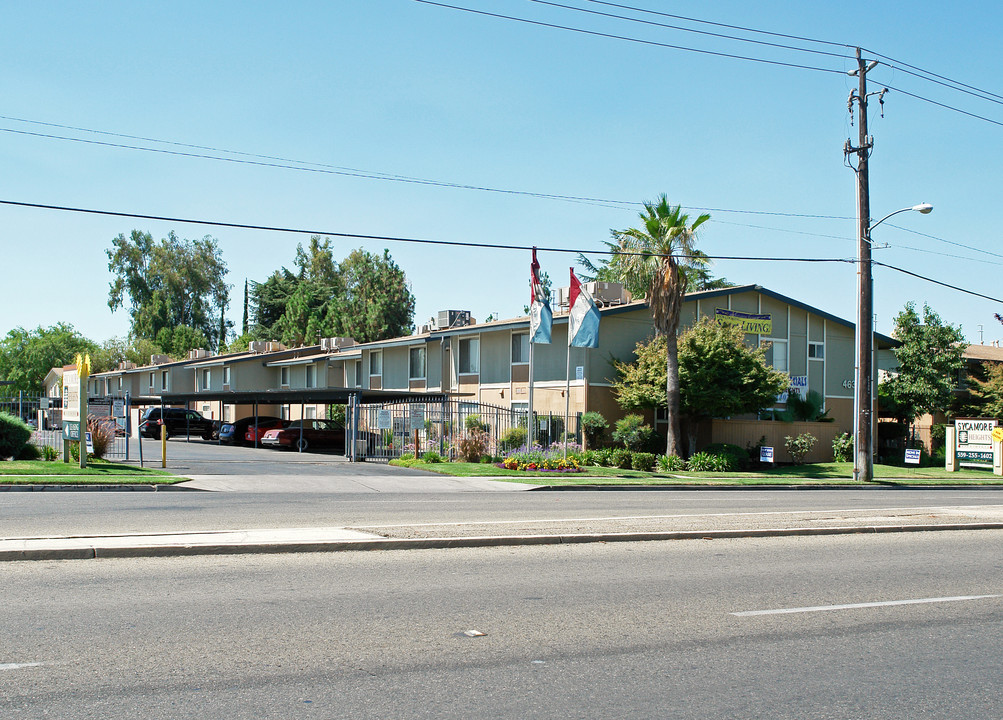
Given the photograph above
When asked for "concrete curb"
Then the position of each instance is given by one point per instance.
(96, 487)
(182, 550)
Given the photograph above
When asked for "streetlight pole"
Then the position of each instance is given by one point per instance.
(863, 396)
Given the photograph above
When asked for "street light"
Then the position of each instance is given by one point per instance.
(863, 397)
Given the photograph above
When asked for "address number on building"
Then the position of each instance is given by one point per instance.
(848, 384)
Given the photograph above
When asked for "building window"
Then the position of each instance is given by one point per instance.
(816, 350)
(311, 372)
(376, 362)
(358, 373)
(120, 384)
(470, 352)
(417, 363)
(284, 379)
(206, 377)
(163, 380)
(226, 375)
(152, 376)
(520, 348)
(311, 412)
(776, 354)
(284, 410)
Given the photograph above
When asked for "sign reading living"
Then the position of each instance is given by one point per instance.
(759, 324)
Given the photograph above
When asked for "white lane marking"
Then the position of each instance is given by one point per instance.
(768, 513)
(18, 666)
(854, 606)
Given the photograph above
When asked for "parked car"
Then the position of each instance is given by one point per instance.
(178, 422)
(236, 432)
(303, 434)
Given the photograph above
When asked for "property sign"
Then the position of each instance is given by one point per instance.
(799, 385)
(912, 457)
(71, 396)
(383, 421)
(759, 324)
(417, 417)
(118, 408)
(974, 441)
(71, 430)
(766, 454)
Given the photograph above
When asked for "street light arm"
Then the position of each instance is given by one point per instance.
(925, 208)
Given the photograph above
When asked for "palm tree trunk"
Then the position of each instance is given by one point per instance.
(672, 434)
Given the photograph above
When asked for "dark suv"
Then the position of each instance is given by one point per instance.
(178, 422)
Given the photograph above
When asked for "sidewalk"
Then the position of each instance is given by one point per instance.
(487, 534)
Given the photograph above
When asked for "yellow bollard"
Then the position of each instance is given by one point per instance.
(163, 446)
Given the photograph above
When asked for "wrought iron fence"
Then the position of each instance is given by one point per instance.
(384, 431)
(45, 415)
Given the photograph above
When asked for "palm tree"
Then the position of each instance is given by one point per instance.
(656, 257)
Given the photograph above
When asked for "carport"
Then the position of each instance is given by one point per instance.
(352, 398)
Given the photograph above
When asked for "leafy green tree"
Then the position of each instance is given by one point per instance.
(116, 350)
(170, 283)
(652, 258)
(930, 360)
(177, 341)
(986, 390)
(26, 356)
(377, 303)
(268, 303)
(719, 376)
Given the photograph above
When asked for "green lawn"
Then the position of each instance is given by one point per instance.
(96, 472)
(815, 474)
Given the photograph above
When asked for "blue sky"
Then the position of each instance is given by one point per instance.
(396, 87)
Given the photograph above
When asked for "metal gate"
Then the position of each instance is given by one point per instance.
(384, 431)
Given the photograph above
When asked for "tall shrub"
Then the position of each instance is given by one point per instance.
(14, 435)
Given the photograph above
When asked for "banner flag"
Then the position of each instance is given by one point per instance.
(583, 322)
(541, 317)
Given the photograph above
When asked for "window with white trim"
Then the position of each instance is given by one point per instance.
(376, 362)
(310, 411)
(520, 348)
(358, 373)
(284, 377)
(163, 380)
(226, 374)
(470, 356)
(152, 377)
(776, 354)
(816, 350)
(416, 363)
(311, 376)
(206, 378)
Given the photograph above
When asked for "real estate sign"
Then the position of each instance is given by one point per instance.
(71, 396)
(974, 441)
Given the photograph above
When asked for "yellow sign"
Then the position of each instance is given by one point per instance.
(757, 324)
(997, 434)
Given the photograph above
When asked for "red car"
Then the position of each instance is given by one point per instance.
(303, 434)
(264, 425)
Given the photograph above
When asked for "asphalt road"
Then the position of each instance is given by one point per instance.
(641, 630)
(86, 513)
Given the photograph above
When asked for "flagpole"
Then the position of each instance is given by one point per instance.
(567, 391)
(530, 429)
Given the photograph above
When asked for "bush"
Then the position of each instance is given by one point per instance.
(49, 453)
(594, 427)
(473, 445)
(739, 456)
(14, 435)
(643, 461)
(620, 458)
(603, 457)
(938, 435)
(29, 452)
(670, 463)
(632, 432)
(513, 437)
(842, 447)
(800, 446)
(431, 457)
(474, 422)
(705, 462)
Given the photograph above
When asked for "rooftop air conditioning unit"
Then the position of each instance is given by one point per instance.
(126, 365)
(198, 354)
(273, 346)
(334, 343)
(257, 346)
(607, 293)
(159, 359)
(452, 319)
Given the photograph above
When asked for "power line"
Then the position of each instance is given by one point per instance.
(902, 64)
(718, 24)
(555, 26)
(384, 238)
(686, 29)
(948, 242)
(453, 243)
(943, 105)
(351, 172)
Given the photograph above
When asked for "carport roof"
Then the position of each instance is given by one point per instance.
(303, 395)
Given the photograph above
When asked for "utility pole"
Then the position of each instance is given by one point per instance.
(863, 441)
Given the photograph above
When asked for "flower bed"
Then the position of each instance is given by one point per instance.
(538, 459)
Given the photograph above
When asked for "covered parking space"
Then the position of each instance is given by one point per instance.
(351, 398)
